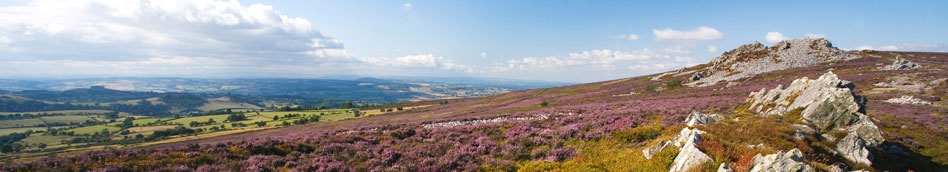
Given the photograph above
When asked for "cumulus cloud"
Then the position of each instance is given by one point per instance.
(127, 32)
(483, 54)
(815, 35)
(774, 37)
(419, 61)
(906, 47)
(407, 6)
(700, 33)
(628, 37)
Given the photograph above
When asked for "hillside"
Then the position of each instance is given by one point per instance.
(800, 105)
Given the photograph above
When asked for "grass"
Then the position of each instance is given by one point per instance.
(93, 129)
(67, 119)
(187, 120)
(6, 131)
(21, 123)
(615, 154)
(68, 112)
(147, 130)
(148, 121)
(50, 141)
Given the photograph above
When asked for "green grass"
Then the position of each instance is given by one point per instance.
(50, 141)
(67, 119)
(68, 112)
(21, 123)
(6, 131)
(612, 155)
(93, 129)
(187, 120)
(148, 121)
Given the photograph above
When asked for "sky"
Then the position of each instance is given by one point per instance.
(567, 41)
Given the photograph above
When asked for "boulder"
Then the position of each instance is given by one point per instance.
(853, 148)
(781, 161)
(648, 152)
(900, 64)
(698, 118)
(827, 103)
(688, 156)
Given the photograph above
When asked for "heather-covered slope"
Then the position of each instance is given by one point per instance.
(603, 126)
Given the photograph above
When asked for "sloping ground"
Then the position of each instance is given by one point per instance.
(603, 126)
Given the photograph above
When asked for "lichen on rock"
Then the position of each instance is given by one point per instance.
(781, 161)
(828, 103)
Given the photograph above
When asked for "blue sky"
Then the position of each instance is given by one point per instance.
(574, 41)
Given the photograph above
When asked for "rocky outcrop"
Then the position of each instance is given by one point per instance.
(648, 152)
(752, 59)
(698, 118)
(688, 156)
(908, 100)
(781, 161)
(900, 64)
(827, 103)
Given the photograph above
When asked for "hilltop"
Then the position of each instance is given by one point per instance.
(800, 105)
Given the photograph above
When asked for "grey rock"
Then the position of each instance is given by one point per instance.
(828, 103)
(900, 64)
(853, 148)
(779, 162)
(908, 100)
(752, 59)
(688, 156)
(698, 118)
(649, 152)
(799, 135)
(828, 137)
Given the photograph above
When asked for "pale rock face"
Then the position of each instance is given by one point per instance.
(779, 162)
(688, 156)
(752, 59)
(853, 147)
(908, 100)
(648, 152)
(828, 104)
(900, 64)
(698, 118)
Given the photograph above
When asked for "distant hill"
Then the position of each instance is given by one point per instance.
(361, 89)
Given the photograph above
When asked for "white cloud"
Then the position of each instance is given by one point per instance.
(700, 33)
(774, 37)
(419, 61)
(628, 37)
(100, 32)
(407, 6)
(679, 49)
(597, 60)
(815, 35)
(906, 47)
(712, 49)
(483, 54)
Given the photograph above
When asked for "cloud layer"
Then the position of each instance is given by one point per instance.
(700, 33)
(220, 35)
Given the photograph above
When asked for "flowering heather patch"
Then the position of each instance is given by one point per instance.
(581, 128)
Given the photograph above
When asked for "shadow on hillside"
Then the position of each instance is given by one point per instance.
(895, 156)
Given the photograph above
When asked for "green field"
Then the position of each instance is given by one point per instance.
(50, 141)
(68, 112)
(21, 123)
(147, 121)
(67, 119)
(187, 120)
(93, 129)
(7, 131)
